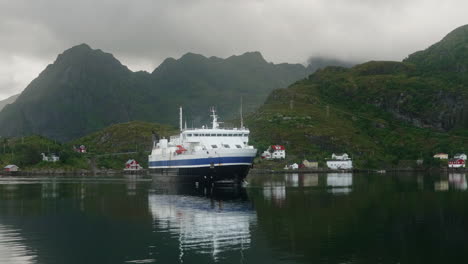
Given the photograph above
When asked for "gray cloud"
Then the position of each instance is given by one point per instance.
(143, 33)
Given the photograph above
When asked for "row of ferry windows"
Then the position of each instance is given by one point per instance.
(217, 135)
(225, 146)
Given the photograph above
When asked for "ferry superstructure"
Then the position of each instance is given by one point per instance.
(209, 153)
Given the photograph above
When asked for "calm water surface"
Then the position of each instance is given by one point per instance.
(293, 218)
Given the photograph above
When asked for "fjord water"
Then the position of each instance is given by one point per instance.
(292, 218)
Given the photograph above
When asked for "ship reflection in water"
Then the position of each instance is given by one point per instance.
(12, 249)
(206, 225)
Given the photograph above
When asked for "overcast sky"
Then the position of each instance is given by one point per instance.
(141, 34)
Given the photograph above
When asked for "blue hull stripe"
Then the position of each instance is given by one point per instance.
(205, 161)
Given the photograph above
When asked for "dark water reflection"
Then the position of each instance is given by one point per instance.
(293, 218)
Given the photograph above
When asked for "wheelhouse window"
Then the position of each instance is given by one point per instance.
(224, 135)
(195, 135)
(219, 135)
(238, 146)
(214, 146)
(213, 135)
(226, 146)
(189, 135)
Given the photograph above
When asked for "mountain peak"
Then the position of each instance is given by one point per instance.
(83, 54)
(448, 55)
(249, 57)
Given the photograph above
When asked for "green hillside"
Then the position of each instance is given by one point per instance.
(126, 137)
(108, 148)
(382, 113)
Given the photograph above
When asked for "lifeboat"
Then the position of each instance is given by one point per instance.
(180, 149)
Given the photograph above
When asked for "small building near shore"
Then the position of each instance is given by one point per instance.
(293, 166)
(441, 156)
(132, 165)
(310, 164)
(11, 168)
(456, 163)
(274, 152)
(340, 162)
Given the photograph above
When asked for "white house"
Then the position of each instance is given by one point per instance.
(11, 168)
(293, 166)
(441, 156)
(51, 158)
(340, 162)
(274, 152)
(460, 156)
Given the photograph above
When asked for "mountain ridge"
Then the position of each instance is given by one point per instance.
(87, 89)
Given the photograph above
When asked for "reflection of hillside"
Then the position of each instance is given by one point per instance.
(204, 225)
(385, 219)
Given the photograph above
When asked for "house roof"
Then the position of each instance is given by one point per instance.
(278, 147)
(440, 154)
(10, 166)
(130, 161)
(339, 154)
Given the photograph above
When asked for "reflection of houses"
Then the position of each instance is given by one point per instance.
(210, 227)
(274, 152)
(340, 162)
(441, 156)
(340, 183)
(11, 168)
(50, 158)
(275, 191)
(458, 181)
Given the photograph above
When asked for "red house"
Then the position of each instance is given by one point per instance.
(80, 149)
(132, 165)
(274, 152)
(456, 163)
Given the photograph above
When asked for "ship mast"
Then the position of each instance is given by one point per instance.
(241, 117)
(180, 118)
(215, 118)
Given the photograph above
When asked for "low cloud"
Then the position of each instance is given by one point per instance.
(143, 33)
